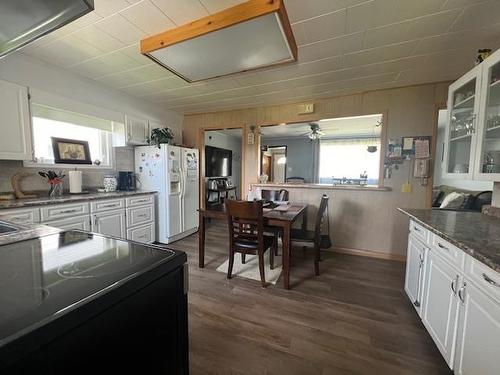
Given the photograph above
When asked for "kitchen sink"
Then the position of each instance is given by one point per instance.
(7, 228)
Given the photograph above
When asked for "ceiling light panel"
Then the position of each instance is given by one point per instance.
(245, 37)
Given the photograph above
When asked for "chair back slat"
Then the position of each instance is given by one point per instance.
(320, 217)
(245, 220)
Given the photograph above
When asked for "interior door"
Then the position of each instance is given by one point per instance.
(110, 223)
(190, 190)
(440, 306)
(478, 340)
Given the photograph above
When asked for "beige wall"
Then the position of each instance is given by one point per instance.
(364, 220)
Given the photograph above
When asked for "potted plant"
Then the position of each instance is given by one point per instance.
(160, 135)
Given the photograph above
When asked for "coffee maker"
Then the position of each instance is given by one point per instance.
(126, 181)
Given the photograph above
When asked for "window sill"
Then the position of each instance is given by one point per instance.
(323, 186)
(31, 164)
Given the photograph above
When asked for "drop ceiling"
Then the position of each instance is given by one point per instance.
(345, 46)
(332, 128)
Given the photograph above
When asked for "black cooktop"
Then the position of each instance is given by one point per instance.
(43, 278)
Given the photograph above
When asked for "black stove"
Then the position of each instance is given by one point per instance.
(45, 279)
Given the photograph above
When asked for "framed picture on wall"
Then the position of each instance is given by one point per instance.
(70, 151)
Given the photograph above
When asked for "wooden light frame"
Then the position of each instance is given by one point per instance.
(226, 18)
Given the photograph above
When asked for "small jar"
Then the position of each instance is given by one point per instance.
(110, 183)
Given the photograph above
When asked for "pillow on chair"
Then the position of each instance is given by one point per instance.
(454, 200)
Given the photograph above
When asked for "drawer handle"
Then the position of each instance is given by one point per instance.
(142, 215)
(417, 229)
(68, 211)
(142, 201)
(490, 280)
(110, 205)
(441, 246)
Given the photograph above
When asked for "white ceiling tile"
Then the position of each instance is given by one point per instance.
(108, 7)
(134, 51)
(478, 15)
(181, 11)
(331, 47)
(388, 34)
(119, 28)
(328, 26)
(87, 19)
(433, 24)
(300, 10)
(214, 6)
(148, 18)
(98, 39)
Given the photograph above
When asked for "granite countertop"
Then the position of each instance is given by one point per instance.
(67, 198)
(26, 232)
(475, 233)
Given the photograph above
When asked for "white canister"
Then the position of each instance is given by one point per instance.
(110, 183)
(75, 182)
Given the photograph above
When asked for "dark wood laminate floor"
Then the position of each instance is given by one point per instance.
(353, 319)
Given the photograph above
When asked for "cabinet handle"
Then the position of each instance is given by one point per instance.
(95, 221)
(454, 285)
(441, 246)
(68, 211)
(417, 229)
(110, 205)
(142, 215)
(490, 280)
(461, 292)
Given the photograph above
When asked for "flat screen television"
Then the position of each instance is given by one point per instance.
(218, 162)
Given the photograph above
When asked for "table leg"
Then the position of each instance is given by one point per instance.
(201, 241)
(286, 255)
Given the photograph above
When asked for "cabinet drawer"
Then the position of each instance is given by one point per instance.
(63, 210)
(78, 222)
(448, 251)
(21, 215)
(140, 200)
(143, 233)
(419, 232)
(107, 205)
(140, 215)
(483, 276)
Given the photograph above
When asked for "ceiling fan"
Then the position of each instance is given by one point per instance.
(315, 133)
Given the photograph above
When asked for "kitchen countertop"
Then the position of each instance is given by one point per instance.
(25, 232)
(67, 198)
(475, 233)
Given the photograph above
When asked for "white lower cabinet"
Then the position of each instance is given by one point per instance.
(143, 233)
(415, 271)
(78, 222)
(110, 223)
(478, 340)
(460, 304)
(440, 306)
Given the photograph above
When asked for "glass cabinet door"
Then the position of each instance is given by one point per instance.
(488, 156)
(460, 137)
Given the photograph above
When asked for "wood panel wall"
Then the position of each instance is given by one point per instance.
(366, 221)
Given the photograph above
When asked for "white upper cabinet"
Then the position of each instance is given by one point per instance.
(472, 141)
(137, 130)
(15, 142)
(460, 137)
(488, 146)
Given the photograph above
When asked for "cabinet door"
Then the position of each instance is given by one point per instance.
(460, 136)
(488, 140)
(110, 223)
(478, 341)
(15, 142)
(78, 222)
(440, 306)
(414, 271)
(136, 130)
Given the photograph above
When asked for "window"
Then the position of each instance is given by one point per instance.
(349, 158)
(49, 122)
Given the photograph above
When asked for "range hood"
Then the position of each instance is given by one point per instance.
(22, 21)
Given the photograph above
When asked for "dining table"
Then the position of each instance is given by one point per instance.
(281, 216)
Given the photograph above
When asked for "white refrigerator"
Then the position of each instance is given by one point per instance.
(173, 172)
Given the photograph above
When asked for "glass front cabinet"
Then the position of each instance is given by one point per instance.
(472, 141)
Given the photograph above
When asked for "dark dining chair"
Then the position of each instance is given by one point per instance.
(295, 180)
(313, 237)
(275, 195)
(246, 234)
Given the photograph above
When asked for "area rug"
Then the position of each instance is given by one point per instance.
(250, 270)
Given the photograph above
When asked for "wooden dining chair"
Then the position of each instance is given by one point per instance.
(313, 237)
(246, 234)
(275, 195)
